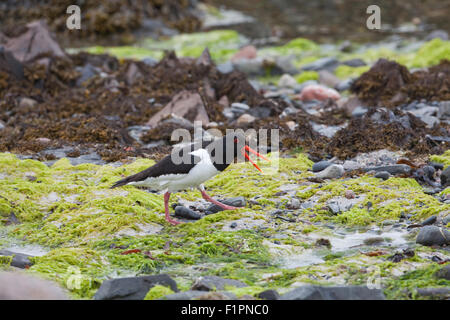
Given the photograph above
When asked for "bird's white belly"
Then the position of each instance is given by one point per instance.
(200, 173)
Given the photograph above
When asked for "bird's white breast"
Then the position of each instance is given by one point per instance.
(201, 172)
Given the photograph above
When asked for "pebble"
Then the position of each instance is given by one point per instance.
(328, 63)
(359, 111)
(349, 194)
(445, 177)
(429, 171)
(436, 165)
(332, 172)
(287, 81)
(239, 108)
(392, 169)
(382, 175)
(293, 204)
(344, 84)
(321, 165)
(432, 235)
(443, 273)
(183, 212)
(431, 220)
(235, 202)
(27, 103)
(226, 67)
(245, 119)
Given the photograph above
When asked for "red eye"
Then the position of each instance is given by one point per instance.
(236, 140)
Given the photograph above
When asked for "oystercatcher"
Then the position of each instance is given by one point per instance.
(190, 167)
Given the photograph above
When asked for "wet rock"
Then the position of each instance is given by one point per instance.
(432, 235)
(431, 220)
(321, 165)
(429, 171)
(133, 288)
(19, 286)
(327, 63)
(33, 43)
(186, 104)
(437, 165)
(247, 52)
(214, 283)
(382, 175)
(235, 202)
(287, 81)
(332, 172)
(310, 292)
(391, 169)
(351, 165)
(445, 177)
(183, 212)
(443, 273)
(269, 295)
(19, 260)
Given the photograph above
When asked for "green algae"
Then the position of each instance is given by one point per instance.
(443, 158)
(294, 47)
(157, 292)
(126, 52)
(306, 76)
(431, 53)
(344, 72)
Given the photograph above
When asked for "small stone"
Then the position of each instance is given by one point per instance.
(245, 119)
(443, 273)
(432, 235)
(328, 63)
(247, 52)
(287, 81)
(19, 260)
(436, 165)
(332, 172)
(293, 204)
(344, 84)
(391, 169)
(214, 283)
(429, 171)
(239, 108)
(359, 111)
(349, 194)
(43, 140)
(354, 63)
(233, 225)
(183, 212)
(226, 67)
(444, 109)
(318, 92)
(132, 288)
(291, 125)
(445, 177)
(328, 79)
(269, 295)
(321, 165)
(382, 175)
(27, 103)
(431, 220)
(235, 202)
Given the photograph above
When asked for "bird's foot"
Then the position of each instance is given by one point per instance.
(227, 207)
(172, 222)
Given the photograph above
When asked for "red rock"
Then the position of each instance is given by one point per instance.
(318, 92)
(247, 52)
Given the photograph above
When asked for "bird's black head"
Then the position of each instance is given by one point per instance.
(233, 146)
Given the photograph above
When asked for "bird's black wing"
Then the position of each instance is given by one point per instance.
(163, 167)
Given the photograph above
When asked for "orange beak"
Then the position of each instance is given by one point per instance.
(255, 153)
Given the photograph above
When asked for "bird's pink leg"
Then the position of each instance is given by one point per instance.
(223, 206)
(166, 207)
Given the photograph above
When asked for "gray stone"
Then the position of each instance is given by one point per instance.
(391, 169)
(444, 109)
(344, 84)
(382, 175)
(293, 204)
(431, 220)
(239, 108)
(359, 111)
(19, 260)
(442, 293)
(287, 81)
(443, 273)
(328, 63)
(354, 63)
(332, 172)
(269, 295)
(133, 288)
(183, 212)
(437, 34)
(226, 67)
(214, 283)
(321, 165)
(235, 202)
(310, 292)
(432, 235)
(445, 177)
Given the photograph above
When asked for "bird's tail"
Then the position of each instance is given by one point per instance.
(122, 182)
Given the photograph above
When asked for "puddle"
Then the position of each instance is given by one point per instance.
(346, 243)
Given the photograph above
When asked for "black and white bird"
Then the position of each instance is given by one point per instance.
(190, 167)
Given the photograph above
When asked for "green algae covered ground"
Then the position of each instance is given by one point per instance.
(89, 232)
